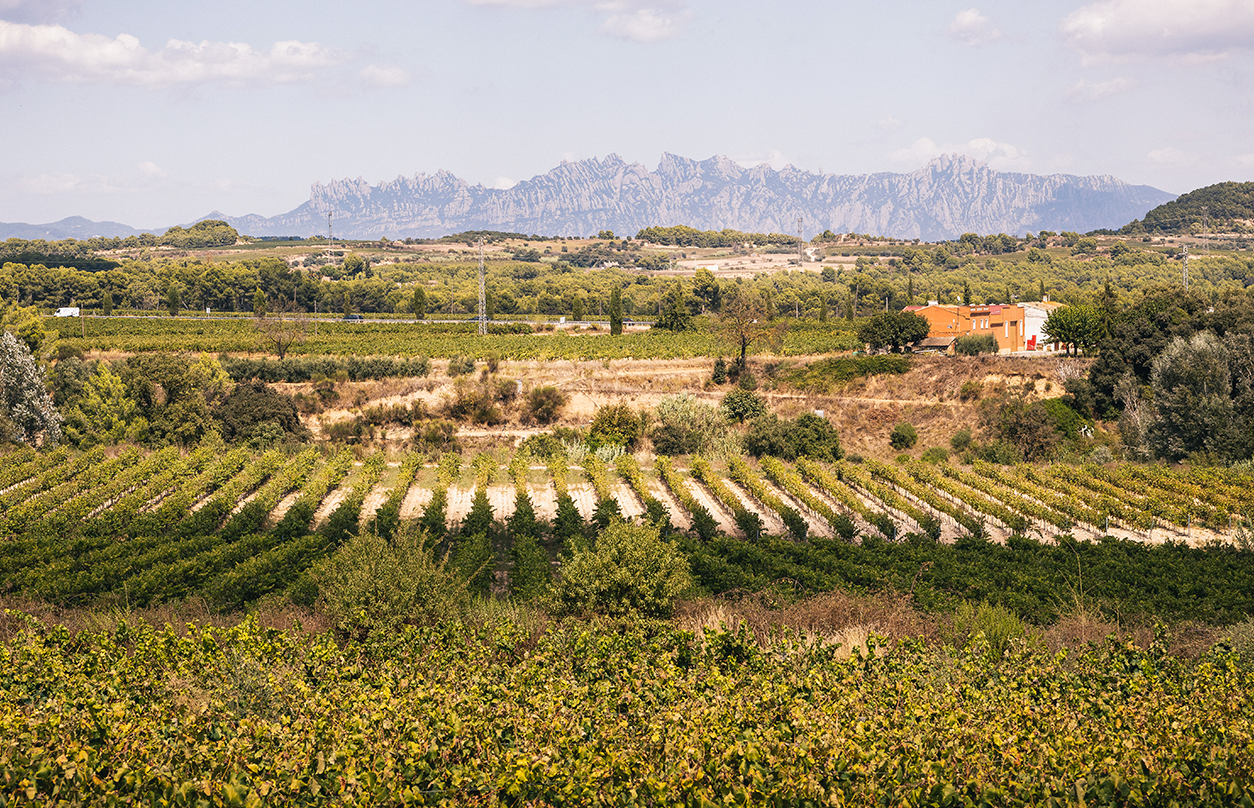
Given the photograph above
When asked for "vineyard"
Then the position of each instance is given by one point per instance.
(496, 713)
(148, 334)
(234, 526)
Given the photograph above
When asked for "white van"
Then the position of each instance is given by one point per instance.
(68, 311)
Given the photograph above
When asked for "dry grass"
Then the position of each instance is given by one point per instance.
(830, 618)
(277, 613)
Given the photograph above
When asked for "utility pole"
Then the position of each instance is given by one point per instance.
(483, 307)
(1186, 267)
(1206, 226)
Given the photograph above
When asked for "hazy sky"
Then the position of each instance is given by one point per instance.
(155, 112)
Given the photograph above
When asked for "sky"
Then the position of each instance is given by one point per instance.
(156, 112)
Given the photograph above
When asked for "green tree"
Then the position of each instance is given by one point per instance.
(676, 317)
(1077, 328)
(576, 309)
(418, 303)
(893, 329)
(259, 303)
(616, 311)
(173, 301)
(104, 414)
(354, 264)
(106, 303)
(1192, 384)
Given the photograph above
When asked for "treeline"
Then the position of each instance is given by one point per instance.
(684, 236)
(85, 253)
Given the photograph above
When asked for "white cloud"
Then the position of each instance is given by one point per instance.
(1187, 30)
(972, 28)
(773, 158)
(646, 25)
(1002, 156)
(1085, 90)
(503, 183)
(152, 170)
(55, 53)
(920, 151)
(38, 10)
(634, 20)
(384, 76)
(1168, 156)
(60, 183)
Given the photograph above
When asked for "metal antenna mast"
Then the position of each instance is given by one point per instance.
(1186, 267)
(483, 306)
(1206, 226)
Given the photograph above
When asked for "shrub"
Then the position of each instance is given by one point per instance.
(472, 402)
(936, 454)
(461, 366)
(961, 440)
(543, 446)
(998, 625)
(687, 425)
(720, 371)
(370, 585)
(903, 436)
(976, 344)
(544, 404)
(631, 570)
(969, 391)
(806, 436)
(742, 405)
(256, 403)
(615, 425)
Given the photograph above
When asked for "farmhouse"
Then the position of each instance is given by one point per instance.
(1005, 323)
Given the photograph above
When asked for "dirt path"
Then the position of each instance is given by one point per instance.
(710, 502)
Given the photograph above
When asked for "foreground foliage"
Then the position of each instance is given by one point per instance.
(588, 714)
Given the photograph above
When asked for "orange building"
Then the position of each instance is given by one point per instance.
(1006, 323)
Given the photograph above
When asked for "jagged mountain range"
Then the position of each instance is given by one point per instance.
(949, 196)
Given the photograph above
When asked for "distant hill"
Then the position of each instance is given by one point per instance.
(1229, 207)
(949, 196)
(71, 227)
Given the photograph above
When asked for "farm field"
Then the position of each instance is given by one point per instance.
(509, 712)
(141, 335)
(236, 526)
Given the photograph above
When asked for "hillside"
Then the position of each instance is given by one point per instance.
(949, 196)
(1227, 207)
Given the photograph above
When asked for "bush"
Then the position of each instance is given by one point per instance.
(461, 366)
(544, 404)
(473, 402)
(543, 446)
(255, 403)
(903, 436)
(995, 623)
(806, 436)
(976, 344)
(631, 570)
(969, 391)
(720, 371)
(961, 440)
(615, 425)
(687, 425)
(742, 405)
(370, 585)
(936, 454)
